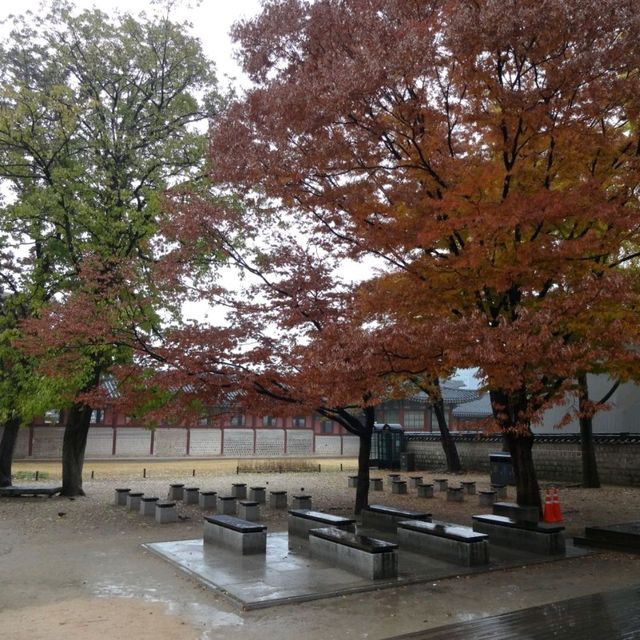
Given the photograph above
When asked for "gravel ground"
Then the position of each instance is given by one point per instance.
(74, 568)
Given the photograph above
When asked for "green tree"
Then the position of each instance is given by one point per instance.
(98, 115)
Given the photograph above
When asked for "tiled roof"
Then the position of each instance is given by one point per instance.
(451, 395)
(478, 408)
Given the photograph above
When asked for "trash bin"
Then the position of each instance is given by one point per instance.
(501, 468)
(407, 462)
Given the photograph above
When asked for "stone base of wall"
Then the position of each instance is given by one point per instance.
(555, 457)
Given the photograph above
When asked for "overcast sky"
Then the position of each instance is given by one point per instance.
(211, 20)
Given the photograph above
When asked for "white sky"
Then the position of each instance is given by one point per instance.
(211, 21)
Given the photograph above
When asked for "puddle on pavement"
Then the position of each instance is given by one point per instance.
(206, 617)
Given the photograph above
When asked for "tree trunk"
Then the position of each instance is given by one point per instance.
(7, 447)
(73, 448)
(507, 409)
(590, 476)
(364, 455)
(448, 443)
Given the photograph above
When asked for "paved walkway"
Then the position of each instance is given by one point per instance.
(613, 615)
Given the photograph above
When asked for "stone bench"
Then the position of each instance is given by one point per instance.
(516, 511)
(166, 512)
(399, 486)
(450, 542)
(207, 499)
(487, 498)
(375, 484)
(500, 489)
(352, 481)
(133, 500)
(301, 521)
(234, 533)
(392, 477)
(148, 506)
(415, 481)
(425, 490)
(367, 557)
(301, 502)
(249, 510)
(226, 505)
(455, 494)
(441, 483)
(469, 487)
(537, 537)
(176, 491)
(258, 494)
(379, 516)
(239, 490)
(278, 499)
(190, 495)
(121, 497)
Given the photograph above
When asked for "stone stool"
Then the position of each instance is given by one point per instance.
(278, 499)
(121, 497)
(392, 477)
(454, 494)
(207, 499)
(442, 483)
(352, 481)
(375, 484)
(425, 491)
(176, 491)
(501, 491)
(133, 501)
(239, 490)
(486, 498)
(399, 486)
(148, 506)
(248, 510)
(469, 487)
(301, 502)
(190, 495)
(166, 512)
(227, 505)
(414, 481)
(258, 494)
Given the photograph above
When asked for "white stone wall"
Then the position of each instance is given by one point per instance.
(99, 442)
(205, 442)
(299, 442)
(22, 443)
(269, 443)
(238, 443)
(328, 445)
(133, 442)
(350, 445)
(170, 443)
(47, 442)
(136, 442)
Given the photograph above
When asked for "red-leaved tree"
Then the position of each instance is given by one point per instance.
(490, 156)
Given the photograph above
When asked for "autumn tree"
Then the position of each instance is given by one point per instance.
(98, 115)
(488, 155)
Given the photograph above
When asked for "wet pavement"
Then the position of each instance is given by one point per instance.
(284, 575)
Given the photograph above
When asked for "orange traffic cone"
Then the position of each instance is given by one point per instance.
(555, 503)
(547, 514)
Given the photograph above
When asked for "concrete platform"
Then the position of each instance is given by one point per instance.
(286, 575)
(618, 537)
